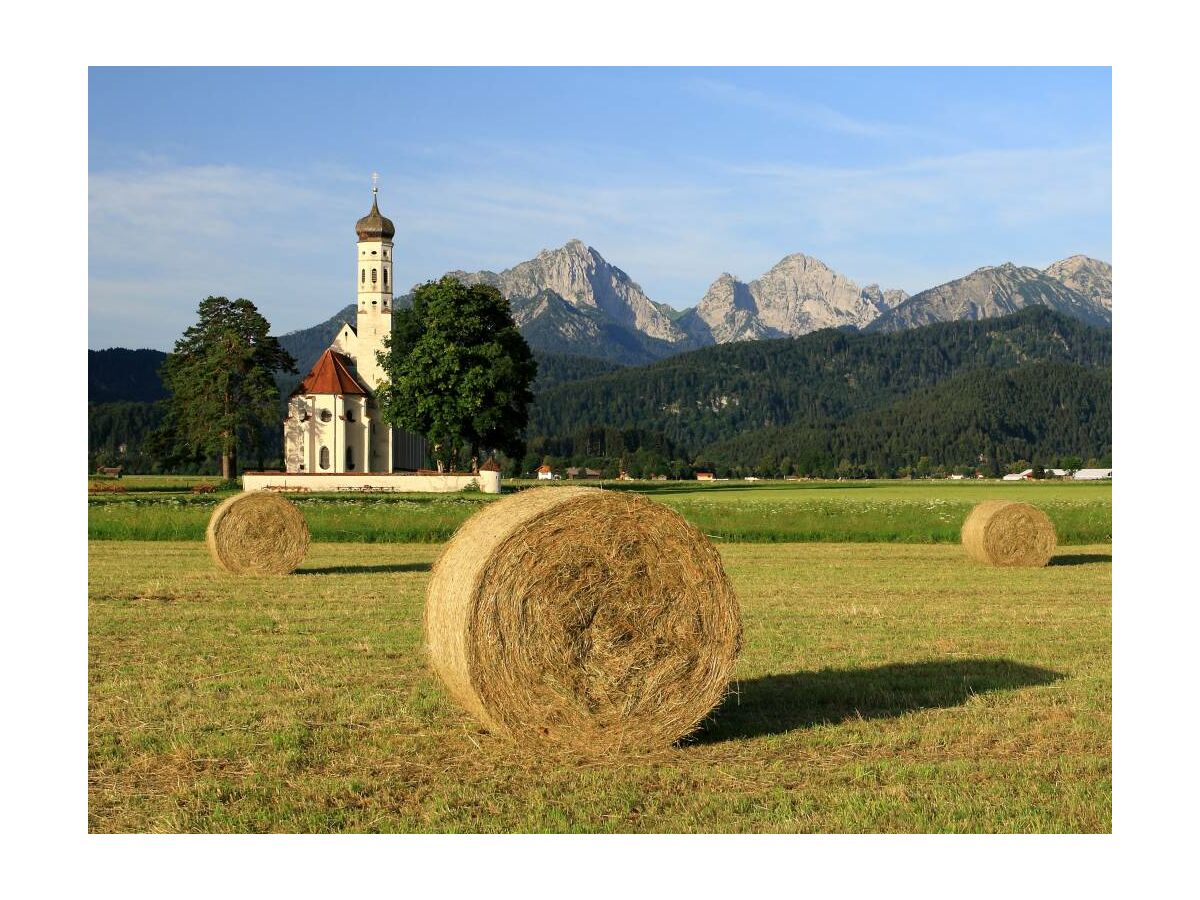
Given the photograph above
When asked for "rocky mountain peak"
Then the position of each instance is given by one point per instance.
(798, 294)
(584, 279)
(802, 262)
(993, 291)
(1090, 277)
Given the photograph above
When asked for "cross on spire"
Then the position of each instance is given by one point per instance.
(374, 182)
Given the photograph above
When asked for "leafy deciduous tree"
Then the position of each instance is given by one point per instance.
(458, 371)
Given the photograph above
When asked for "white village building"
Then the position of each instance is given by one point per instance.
(334, 423)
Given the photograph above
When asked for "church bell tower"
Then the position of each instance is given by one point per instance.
(374, 275)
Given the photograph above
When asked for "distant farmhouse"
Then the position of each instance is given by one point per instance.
(545, 473)
(575, 472)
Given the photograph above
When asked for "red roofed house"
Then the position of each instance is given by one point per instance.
(334, 424)
(545, 473)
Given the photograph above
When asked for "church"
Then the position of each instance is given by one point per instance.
(334, 424)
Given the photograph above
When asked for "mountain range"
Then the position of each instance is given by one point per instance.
(571, 300)
(1078, 287)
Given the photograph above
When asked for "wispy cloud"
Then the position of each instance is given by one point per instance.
(808, 112)
(934, 194)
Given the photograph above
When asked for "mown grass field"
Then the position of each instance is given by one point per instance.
(154, 482)
(906, 512)
(883, 687)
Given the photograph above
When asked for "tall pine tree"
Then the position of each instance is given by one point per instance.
(220, 382)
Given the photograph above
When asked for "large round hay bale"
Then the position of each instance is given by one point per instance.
(596, 620)
(1007, 533)
(257, 533)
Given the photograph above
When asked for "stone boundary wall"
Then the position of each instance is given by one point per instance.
(303, 482)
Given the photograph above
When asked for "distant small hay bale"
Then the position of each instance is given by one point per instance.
(257, 533)
(589, 619)
(1006, 533)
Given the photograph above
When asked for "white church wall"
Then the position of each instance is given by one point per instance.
(353, 445)
(324, 432)
(295, 436)
(346, 343)
(488, 482)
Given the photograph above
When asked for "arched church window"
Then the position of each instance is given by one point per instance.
(324, 457)
(326, 415)
(374, 276)
(349, 414)
(363, 280)
(385, 277)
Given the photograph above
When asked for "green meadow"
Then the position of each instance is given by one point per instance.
(869, 511)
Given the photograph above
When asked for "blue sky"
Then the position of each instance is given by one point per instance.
(247, 182)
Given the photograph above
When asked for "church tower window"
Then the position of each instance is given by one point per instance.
(385, 277)
(374, 276)
(363, 280)
(324, 457)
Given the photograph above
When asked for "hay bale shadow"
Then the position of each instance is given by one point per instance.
(1080, 559)
(776, 704)
(366, 570)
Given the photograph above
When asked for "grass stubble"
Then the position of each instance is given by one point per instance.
(881, 688)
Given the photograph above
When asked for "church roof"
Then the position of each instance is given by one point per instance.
(375, 225)
(331, 375)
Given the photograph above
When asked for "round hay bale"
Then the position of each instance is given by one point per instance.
(257, 533)
(596, 620)
(1006, 533)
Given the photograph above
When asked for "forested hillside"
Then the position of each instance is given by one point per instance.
(985, 420)
(558, 368)
(714, 394)
(124, 375)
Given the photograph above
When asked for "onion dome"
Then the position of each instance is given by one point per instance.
(374, 225)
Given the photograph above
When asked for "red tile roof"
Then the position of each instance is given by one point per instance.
(330, 375)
